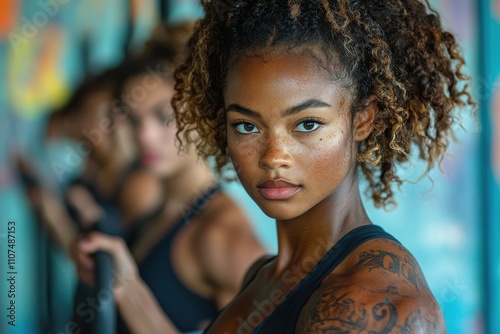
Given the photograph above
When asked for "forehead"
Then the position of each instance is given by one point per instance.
(145, 91)
(276, 76)
(147, 82)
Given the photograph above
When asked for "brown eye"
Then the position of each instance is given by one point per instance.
(165, 118)
(249, 127)
(245, 127)
(307, 126)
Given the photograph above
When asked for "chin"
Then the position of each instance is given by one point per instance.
(279, 211)
(170, 170)
(156, 169)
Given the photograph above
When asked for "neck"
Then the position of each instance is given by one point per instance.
(188, 184)
(305, 239)
(106, 169)
(109, 158)
(111, 168)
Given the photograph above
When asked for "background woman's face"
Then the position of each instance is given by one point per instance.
(153, 123)
(289, 132)
(92, 121)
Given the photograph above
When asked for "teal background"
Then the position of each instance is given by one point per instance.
(449, 222)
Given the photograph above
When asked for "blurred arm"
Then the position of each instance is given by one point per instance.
(135, 301)
(226, 251)
(57, 220)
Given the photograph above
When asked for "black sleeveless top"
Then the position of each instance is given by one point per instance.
(283, 318)
(111, 222)
(187, 310)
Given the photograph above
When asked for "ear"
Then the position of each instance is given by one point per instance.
(363, 119)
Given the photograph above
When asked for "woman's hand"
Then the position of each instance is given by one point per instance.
(124, 266)
(135, 301)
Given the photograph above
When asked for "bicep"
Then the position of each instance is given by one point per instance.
(226, 252)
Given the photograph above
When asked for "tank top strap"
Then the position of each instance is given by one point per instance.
(289, 308)
(197, 207)
(186, 308)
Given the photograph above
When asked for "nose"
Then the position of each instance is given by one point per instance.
(275, 152)
(147, 135)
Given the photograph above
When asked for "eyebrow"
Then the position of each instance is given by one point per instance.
(311, 103)
(155, 108)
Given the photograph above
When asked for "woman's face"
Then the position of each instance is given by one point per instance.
(151, 116)
(289, 132)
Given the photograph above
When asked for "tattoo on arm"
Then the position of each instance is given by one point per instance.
(405, 267)
(344, 314)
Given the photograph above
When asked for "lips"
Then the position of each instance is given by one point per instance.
(278, 189)
(148, 158)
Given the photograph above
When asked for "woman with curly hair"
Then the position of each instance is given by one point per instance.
(303, 97)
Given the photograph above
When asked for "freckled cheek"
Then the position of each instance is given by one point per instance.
(317, 160)
(328, 160)
(243, 155)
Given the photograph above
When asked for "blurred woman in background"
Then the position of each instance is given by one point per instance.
(105, 189)
(192, 258)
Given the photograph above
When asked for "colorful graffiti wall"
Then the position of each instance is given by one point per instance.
(47, 45)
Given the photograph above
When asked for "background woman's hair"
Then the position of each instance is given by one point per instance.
(89, 85)
(395, 50)
(162, 53)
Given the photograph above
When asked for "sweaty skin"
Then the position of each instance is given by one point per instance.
(293, 140)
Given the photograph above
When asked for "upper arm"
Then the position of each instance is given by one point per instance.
(380, 289)
(226, 248)
(352, 309)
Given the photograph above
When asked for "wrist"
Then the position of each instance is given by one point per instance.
(125, 286)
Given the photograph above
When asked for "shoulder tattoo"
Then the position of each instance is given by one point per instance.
(344, 313)
(405, 266)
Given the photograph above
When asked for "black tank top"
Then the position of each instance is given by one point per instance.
(186, 309)
(112, 222)
(283, 318)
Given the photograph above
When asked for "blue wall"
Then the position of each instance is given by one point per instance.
(489, 97)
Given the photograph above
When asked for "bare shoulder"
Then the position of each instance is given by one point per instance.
(225, 246)
(223, 223)
(379, 288)
(224, 215)
(141, 193)
(254, 269)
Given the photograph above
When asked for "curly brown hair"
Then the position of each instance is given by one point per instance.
(395, 50)
(168, 41)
